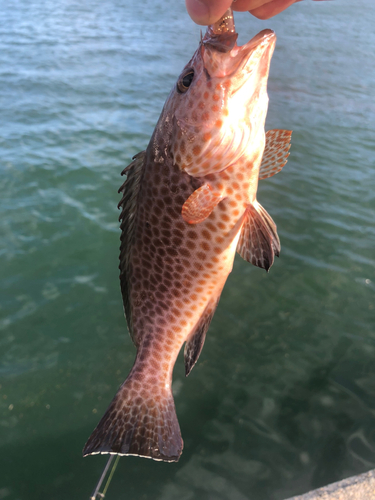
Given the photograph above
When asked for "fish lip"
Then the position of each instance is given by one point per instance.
(263, 43)
(262, 37)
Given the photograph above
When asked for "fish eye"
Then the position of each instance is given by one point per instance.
(185, 81)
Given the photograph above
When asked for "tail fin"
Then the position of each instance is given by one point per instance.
(138, 422)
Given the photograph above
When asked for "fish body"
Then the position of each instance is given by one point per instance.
(189, 202)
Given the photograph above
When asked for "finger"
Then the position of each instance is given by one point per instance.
(206, 12)
(271, 9)
(244, 5)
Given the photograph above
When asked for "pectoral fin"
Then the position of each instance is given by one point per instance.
(276, 152)
(194, 344)
(258, 242)
(200, 204)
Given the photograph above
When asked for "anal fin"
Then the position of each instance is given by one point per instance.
(200, 204)
(194, 344)
(276, 152)
(258, 242)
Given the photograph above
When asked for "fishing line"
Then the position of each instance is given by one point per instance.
(96, 492)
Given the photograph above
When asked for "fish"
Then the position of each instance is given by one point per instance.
(188, 204)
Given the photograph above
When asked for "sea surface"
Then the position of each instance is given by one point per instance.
(282, 399)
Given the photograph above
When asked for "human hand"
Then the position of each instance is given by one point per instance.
(207, 12)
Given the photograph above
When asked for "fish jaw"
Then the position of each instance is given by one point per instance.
(240, 61)
(221, 116)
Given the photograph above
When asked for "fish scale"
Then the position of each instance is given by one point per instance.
(189, 202)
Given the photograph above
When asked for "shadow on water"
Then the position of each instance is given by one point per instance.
(327, 429)
(298, 405)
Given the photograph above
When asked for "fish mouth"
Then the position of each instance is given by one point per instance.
(265, 36)
(261, 43)
(257, 53)
(224, 58)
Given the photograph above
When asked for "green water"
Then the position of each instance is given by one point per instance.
(283, 397)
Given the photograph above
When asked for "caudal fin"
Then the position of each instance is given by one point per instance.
(138, 422)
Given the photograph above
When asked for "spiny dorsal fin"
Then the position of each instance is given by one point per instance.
(258, 242)
(200, 204)
(276, 152)
(194, 344)
(128, 206)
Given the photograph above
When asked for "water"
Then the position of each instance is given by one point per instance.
(283, 397)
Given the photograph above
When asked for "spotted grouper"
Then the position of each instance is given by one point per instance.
(188, 203)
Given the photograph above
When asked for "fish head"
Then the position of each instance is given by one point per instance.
(220, 102)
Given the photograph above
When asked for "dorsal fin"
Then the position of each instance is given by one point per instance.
(258, 242)
(128, 206)
(195, 341)
(276, 152)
